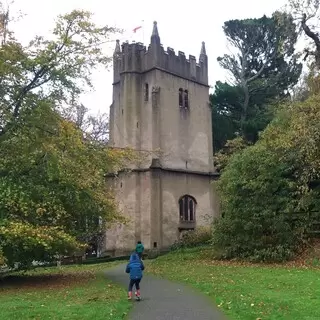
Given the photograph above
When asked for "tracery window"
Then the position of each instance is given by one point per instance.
(187, 208)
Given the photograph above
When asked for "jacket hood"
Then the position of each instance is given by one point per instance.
(134, 257)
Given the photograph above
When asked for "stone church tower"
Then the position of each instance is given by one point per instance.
(161, 107)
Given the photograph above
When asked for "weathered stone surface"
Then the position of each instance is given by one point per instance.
(174, 137)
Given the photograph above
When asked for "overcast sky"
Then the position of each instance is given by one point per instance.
(182, 25)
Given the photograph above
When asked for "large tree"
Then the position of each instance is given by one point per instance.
(263, 67)
(226, 110)
(306, 13)
(57, 70)
(52, 183)
(270, 191)
(53, 196)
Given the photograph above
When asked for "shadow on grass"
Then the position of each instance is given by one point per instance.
(44, 281)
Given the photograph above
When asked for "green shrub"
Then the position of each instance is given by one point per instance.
(269, 191)
(194, 238)
(257, 197)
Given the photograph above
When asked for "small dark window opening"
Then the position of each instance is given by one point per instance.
(155, 245)
(137, 124)
(146, 92)
(122, 111)
(187, 208)
(120, 184)
(186, 99)
(180, 97)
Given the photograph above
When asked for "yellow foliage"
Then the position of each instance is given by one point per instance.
(25, 242)
(296, 131)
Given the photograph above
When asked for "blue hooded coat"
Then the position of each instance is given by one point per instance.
(135, 267)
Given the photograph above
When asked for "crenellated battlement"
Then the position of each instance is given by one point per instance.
(135, 57)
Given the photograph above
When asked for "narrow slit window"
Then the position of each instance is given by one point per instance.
(146, 92)
(180, 97)
(186, 99)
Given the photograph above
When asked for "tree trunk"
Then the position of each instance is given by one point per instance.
(244, 107)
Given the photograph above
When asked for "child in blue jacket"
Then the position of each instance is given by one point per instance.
(135, 268)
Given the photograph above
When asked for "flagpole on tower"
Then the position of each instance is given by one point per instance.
(143, 31)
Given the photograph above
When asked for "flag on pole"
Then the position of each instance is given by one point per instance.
(136, 34)
(136, 29)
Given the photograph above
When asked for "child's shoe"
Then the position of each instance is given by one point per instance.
(129, 295)
(138, 297)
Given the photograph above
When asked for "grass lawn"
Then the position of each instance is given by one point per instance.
(244, 291)
(69, 292)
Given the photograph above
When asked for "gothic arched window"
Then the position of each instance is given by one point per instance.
(187, 208)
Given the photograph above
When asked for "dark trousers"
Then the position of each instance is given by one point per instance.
(139, 254)
(134, 282)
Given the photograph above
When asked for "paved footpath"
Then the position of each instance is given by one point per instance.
(165, 300)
